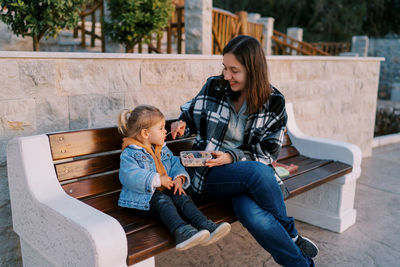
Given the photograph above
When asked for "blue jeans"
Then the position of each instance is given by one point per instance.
(258, 204)
(170, 207)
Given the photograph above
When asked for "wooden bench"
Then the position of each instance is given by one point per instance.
(49, 173)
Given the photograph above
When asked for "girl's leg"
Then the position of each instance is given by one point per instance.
(163, 205)
(268, 232)
(187, 208)
(256, 180)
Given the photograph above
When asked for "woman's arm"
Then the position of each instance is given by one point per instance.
(197, 104)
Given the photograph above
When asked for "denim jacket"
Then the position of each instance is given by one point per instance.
(137, 171)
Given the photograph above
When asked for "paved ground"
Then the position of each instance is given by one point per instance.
(373, 241)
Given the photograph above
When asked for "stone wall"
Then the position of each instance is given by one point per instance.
(389, 83)
(334, 97)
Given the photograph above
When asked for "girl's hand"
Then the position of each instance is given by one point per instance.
(221, 158)
(166, 181)
(177, 128)
(178, 186)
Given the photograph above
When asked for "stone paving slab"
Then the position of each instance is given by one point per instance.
(372, 241)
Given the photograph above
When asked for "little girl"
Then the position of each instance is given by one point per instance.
(154, 180)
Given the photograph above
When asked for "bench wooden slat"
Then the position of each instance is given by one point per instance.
(153, 241)
(287, 152)
(85, 142)
(308, 180)
(305, 165)
(85, 167)
(93, 186)
(134, 220)
(286, 141)
(157, 239)
(105, 202)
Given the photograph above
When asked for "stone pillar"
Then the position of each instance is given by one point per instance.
(359, 45)
(253, 17)
(296, 33)
(268, 31)
(198, 26)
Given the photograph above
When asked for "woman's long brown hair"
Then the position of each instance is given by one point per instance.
(249, 52)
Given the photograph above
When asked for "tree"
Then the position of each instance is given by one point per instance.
(38, 18)
(130, 21)
(326, 20)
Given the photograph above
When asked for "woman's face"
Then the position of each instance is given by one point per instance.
(234, 72)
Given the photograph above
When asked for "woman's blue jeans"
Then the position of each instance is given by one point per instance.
(258, 204)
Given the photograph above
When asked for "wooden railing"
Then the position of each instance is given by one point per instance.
(286, 45)
(333, 48)
(169, 41)
(226, 26)
(256, 30)
(92, 8)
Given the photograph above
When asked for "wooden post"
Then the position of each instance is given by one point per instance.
(169, 41)
(243, 22)
(83, 32)
(180, 27)
(103, 41)
(93, 33)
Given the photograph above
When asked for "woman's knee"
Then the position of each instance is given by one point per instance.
(261, 173)
(251, 215)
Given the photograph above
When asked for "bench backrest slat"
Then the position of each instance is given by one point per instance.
(84, 167)
(93, 186)
(85, 142)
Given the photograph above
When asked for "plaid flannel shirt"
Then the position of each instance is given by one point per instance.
(207, 115)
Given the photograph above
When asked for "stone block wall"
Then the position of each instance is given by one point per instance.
(334, 97)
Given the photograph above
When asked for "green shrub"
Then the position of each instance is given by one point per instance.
(38, 18)
(130, 21)
(387, 121)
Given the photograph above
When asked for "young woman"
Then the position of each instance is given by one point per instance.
(241, 117)
(146, 168)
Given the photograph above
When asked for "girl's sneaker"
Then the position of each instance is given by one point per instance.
(217, 231)
(187, 237)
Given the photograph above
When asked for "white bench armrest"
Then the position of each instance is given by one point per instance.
(322, 148)
(62, 229)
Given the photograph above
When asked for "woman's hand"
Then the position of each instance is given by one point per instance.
(178, 182)
(166, 181)
(221, 158)
(177, 128)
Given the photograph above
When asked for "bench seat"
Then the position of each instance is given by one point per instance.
(85, 164)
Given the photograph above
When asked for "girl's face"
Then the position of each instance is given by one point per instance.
(234, 72)
(157, 133)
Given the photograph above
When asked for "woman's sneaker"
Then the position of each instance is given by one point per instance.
(307, 246)
(217, 231)
(187, 237)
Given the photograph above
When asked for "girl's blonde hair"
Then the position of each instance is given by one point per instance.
(131, 122)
